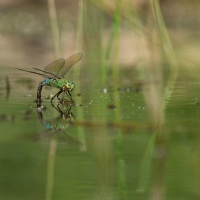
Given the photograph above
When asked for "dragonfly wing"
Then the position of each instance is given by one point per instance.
(48, 74)
(54, 67)
(44, 75)
(69, 62)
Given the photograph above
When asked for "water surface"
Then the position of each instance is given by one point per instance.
(105, 147)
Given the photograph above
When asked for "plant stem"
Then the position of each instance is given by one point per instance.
(54, 27)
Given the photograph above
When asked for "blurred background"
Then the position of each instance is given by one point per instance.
(134, 133)
(26, 34)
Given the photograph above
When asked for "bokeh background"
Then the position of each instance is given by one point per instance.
(26, 32)
(134, 133)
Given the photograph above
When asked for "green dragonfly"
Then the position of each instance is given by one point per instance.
(55, 74)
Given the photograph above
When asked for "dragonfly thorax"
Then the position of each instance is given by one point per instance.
(70, 85)
(60, 83)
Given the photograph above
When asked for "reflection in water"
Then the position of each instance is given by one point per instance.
(5, 117)
(7, 87)
(60, 123)
(57, 127)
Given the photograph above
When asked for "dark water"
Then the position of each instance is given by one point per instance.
(103, 148)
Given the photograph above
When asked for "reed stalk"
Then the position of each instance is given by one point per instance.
(112, 43)
(77, 75)
(159, 96)
(50, 168)
(54, 27)
(53, 142)
(168, 51)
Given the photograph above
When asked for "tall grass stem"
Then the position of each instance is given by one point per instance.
(54, 27)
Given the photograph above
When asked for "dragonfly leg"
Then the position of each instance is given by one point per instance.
(56, 107)
(70, 96)
(56, 95)
(63, 96)
(39, 91)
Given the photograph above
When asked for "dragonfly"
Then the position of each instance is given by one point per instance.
(54, 74)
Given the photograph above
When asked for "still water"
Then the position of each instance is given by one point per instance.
(105, 147)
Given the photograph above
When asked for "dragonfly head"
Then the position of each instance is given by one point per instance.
(70, 85)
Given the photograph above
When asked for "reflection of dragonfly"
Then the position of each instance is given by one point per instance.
(60, 123)
(55, 74)
(57, 127)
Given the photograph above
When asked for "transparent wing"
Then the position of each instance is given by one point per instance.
(69, 62)
(48, 74)
(44, 75)
(54, 67)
